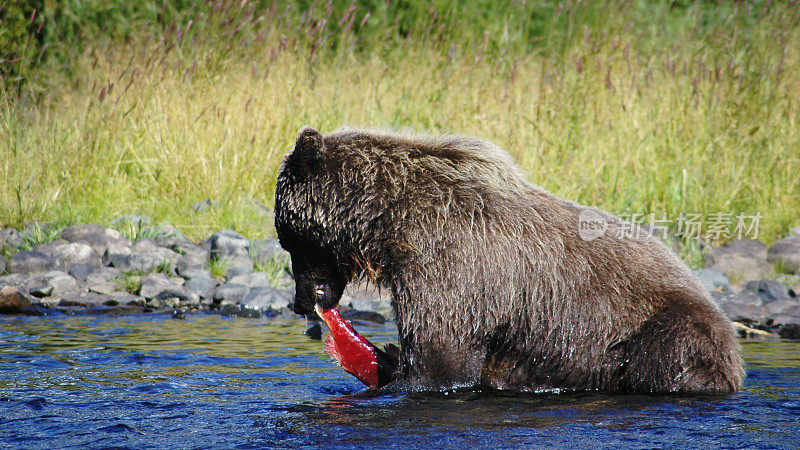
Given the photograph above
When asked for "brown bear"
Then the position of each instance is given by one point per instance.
(495, 282)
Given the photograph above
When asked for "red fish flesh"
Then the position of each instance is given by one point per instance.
(358, 356)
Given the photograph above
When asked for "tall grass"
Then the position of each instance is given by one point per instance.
(634, 107)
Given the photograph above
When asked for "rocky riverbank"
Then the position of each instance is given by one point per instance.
(757, 286)
(91, 269)
(97, 270)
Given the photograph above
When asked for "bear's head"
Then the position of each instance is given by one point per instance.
(305, 225)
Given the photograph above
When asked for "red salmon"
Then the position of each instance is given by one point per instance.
(358, 356)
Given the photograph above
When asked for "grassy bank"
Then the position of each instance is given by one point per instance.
(636, 108)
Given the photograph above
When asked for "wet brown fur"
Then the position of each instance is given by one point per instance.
(491, 283)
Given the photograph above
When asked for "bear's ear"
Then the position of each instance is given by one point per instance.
(309, 147)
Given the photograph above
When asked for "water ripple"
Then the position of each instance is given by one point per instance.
(149, 381)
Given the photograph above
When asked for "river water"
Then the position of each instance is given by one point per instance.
(149, 381)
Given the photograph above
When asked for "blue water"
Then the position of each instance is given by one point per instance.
(149, 381)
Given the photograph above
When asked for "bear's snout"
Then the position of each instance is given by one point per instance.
(315, 290)
(299, 308)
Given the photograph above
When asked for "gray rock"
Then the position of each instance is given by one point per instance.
(135, 262)
(193, 263)
(165, 303)
(16, 280)
(251, 280)
(81, 271)
(738, 312)
(103, 275)
(177, 280)
(41, 290)
(787, 320)
(166, 235)
(48, 302)
(367, 297)
(181, 293)
(195, 272)
(104, 288)
(796, 230)
(29, 261)
(722, 297)
(99, 238)
(228, 244)
(184, 247)
(2, 264)
(198, 253)
(155, 283)
(202, 285)
(230, 293)
(744, 260)
(745, 297)
(269, 251)
(10, 239)
(67, 255)
(88, 299)
(115, 310)
(238, 267)
(145, 245)
(48, 247)
(54, 283)
(168, 258)
(768, 290)
(125, 298)
(204, 205)
(786, 253)
(104, 280)
(155, 303)
(751, 247)
(145, 256)
(245, 312)
(115, 253)
(788, 307)
(263, 298)
(711, 278)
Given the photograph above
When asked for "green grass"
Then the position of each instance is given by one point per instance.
(136, 231)
(131, 282)
(780, 267)
(218, 268)
(275, 269)
(39, 234)
(635, 107)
